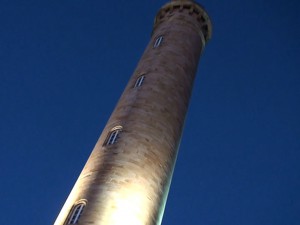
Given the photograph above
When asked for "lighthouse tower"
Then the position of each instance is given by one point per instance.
(127, 176)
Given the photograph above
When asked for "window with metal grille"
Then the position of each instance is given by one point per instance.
(76, 213)
(139, 81)
(158, 41)
(113, 135)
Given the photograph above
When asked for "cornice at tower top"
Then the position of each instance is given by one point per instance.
(186, 6)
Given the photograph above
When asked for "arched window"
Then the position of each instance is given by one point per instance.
(139, 81)
(76, 213)
(113, 135)
(158, 41)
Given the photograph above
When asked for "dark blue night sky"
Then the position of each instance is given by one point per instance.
(64, 64)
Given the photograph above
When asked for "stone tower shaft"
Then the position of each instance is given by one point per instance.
(127, 176)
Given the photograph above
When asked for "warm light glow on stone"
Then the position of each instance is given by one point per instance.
(127, 208)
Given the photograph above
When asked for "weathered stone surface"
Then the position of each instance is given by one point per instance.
(127, 182)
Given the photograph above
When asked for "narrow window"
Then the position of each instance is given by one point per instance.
(139, 81)
(158, 41)
(113, 135)
(76, 213)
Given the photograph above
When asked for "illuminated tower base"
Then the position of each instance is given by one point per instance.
(127, 177)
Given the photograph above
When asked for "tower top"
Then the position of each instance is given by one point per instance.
(190, 7)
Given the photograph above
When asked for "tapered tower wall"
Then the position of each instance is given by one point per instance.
(127, 182)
